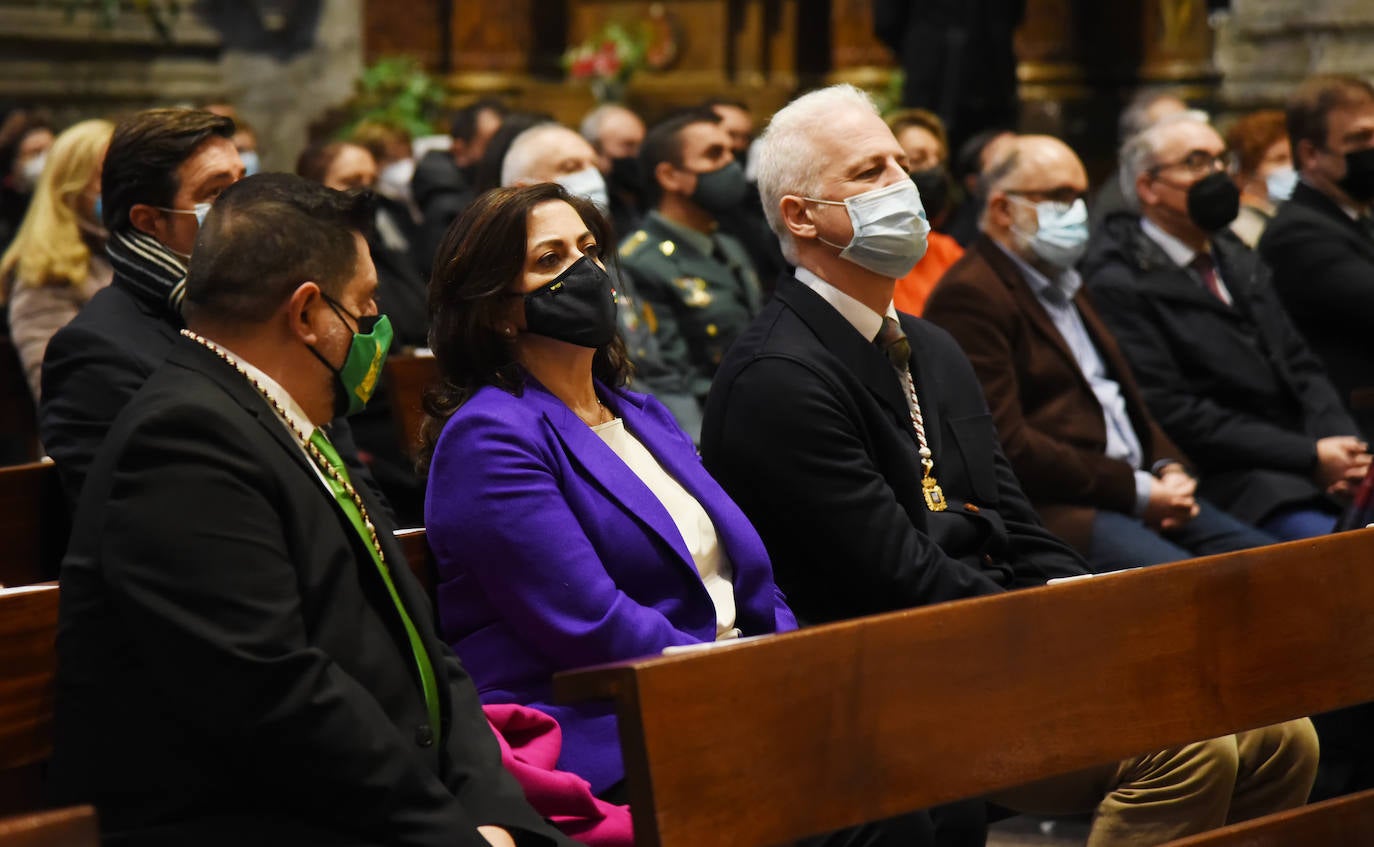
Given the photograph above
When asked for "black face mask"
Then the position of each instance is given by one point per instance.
(578, 306)
(720, 191)
(1359, 175)
(1213, 202)
(933, 183)
(625, 176)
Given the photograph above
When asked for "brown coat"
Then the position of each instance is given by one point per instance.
(1048, 418)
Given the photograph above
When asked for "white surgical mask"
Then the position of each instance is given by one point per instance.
(588, 184)
(1061, 236)
(200, 211)
(31, 170)
(394, 180)
(890, 229)
(1280, 184)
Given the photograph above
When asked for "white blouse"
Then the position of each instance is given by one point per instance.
(698, 532)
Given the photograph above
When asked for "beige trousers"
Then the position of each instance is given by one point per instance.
(1151, 799)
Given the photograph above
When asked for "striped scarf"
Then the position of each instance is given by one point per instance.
(149, 269)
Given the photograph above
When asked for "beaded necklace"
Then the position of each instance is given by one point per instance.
(321, 461)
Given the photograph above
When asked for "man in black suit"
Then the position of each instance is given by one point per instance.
(1221, 367)
(244, 657)
(1321, 242)
(858, 442)
(163, 169)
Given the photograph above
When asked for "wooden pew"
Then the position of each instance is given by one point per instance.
(772, 740)
(1343, 822)
(75, 826)
(28, 665)
(34, 521)
(418, 557)
(407, 377)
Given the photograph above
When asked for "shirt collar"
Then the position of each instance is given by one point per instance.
(1353, 212)
(864, 320)
(294, 416)
(1178, 252)
(1065, 285)
(702, 242)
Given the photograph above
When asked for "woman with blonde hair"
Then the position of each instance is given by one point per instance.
(56, 261)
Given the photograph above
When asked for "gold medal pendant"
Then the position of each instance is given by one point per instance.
(935, 498)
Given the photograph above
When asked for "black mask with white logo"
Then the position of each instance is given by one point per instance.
(578, 306)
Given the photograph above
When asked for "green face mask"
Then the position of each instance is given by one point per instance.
(355, 382)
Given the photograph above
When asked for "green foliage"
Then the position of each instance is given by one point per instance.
(889, 99)
(396, 91)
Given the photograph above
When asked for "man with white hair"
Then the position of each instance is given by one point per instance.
(1219, 362)
(553, 153)
(858, 442)
(1097, 468)
(615, 133)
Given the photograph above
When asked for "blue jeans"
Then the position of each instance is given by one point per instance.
(1122, 541)
(1301, 522)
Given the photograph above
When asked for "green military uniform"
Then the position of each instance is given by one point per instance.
(701, 292)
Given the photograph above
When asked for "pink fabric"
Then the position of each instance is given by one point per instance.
(530, 743)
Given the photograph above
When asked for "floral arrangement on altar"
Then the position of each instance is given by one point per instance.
(609, 59)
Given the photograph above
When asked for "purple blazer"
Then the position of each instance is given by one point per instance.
(552, 554)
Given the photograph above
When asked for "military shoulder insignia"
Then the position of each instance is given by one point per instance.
(693, 291)
(633, 243)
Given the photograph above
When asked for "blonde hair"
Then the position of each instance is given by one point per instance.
(48, 248)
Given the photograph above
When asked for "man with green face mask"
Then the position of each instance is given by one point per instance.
(699, 283)
(245, 656)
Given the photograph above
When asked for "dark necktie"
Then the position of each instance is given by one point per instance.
(894, 344)
(892, 341)
(1206, 268)
(1366, 222)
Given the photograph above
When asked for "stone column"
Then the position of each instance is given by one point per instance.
(1265, 47)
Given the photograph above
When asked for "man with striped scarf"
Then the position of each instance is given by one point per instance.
(163, 169)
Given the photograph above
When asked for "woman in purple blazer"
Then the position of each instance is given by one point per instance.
(570, 517)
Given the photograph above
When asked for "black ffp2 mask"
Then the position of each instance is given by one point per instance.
(1358, 181)
(578, 306)
(1213, 202)
(933, 184)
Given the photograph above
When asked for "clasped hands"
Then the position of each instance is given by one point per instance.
(1342, 461)
(1172, 501)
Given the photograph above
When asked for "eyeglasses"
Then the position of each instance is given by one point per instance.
(1201, 163)
(1064, 197)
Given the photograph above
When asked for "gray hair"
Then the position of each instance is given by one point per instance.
(786, 159)
(999, 172)
(523, 153)
(1140, 152)
(590, 128)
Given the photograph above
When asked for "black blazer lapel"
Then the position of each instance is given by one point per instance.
(196, 357)
(860, 355)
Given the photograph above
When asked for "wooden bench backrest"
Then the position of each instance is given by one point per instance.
(407, 377)
(18, 418)
(28, 665)
(768, 741)
(1342, 822)
(75, 826)
(418, 557)
(34, 522)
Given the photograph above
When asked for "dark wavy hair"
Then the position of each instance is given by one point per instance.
(481, 256)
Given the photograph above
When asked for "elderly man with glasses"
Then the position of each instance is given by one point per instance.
(1220, 365)
(1091, 459)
